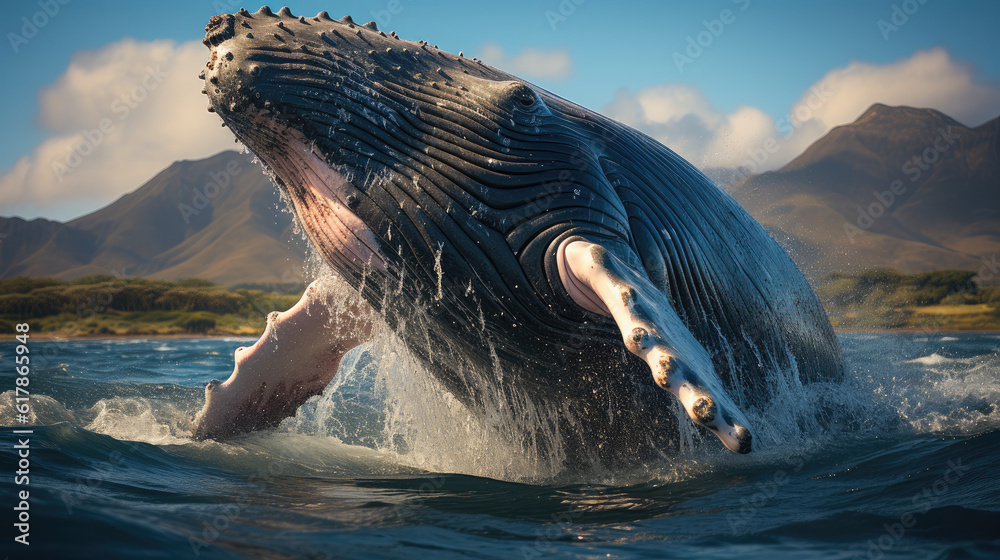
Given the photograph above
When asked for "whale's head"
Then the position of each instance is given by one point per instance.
(393, 151)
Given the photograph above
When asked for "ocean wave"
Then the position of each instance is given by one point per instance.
(408, 420)
(931, 360)
(841, 465)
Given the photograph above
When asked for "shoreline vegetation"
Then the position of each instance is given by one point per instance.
(886, 300)
(107, 307)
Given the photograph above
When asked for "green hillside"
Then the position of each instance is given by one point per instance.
(878, 299)
(107, 306)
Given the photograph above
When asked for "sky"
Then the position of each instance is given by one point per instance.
(99, 96)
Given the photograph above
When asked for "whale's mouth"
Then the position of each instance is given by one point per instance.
(322, 196)
(285, 103)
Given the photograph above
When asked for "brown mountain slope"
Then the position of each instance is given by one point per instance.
(906, 188)
(217, 218)
(39, 246)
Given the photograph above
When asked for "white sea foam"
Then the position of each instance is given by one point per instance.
(135, 419)
(932, 360)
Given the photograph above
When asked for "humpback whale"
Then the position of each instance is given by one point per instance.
(502, 233)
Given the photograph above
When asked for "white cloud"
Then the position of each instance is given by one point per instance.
(682, 117)
(145, 96)
(929, 78)
(533, 63)
(153, 125)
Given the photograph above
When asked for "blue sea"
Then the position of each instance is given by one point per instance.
(907, 465)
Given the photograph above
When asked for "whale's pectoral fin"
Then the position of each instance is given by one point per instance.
(294, 359)
(599, 281)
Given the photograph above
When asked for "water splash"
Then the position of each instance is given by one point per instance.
(386, 413)
(932, 360)
(135, 419)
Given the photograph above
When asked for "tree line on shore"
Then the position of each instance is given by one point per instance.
(877, 298)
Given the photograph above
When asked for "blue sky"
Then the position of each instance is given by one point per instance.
(619, 57)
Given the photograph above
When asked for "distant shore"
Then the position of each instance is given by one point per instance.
(906, 330)
(875, 301)
(44, 336)
(153, 336)
(108, 307)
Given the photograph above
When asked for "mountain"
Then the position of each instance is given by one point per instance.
(905, 188)
(910, 189)
(218, 218)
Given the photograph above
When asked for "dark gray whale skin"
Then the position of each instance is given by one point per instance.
(468, 178)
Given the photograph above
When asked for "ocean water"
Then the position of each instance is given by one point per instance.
(905, 464)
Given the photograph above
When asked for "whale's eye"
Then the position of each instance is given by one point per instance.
(522, 97)
(523, 104)
(525, 99)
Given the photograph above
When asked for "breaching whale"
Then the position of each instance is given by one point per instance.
(502, 231)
